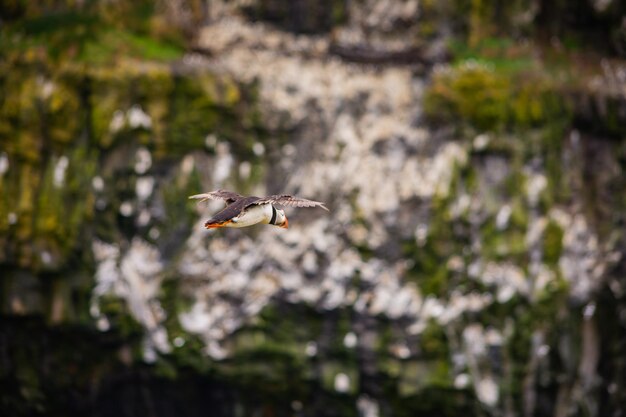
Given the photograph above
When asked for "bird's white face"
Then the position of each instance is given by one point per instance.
(281, 219)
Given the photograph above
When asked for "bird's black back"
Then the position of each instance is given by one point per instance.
(232, 210)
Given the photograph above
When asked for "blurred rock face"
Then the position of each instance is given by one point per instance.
(479, 259)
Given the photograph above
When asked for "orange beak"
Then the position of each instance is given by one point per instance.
(286, 224)
(215, 225)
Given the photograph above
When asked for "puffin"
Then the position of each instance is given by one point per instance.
(243, 211)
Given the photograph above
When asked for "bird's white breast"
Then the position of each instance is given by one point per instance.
(253, 215)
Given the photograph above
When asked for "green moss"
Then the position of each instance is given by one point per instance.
(183, 110)
(504, 54)
(446, 238)
(433, 342)
(20, 115)
(552, 243)
(191, 354)
(28, 181)
(193, 114)
(611, 120)
(330, 370)
(93, 33)
(63, 111)
(106, 98)
(117, 92)
(551, 148)
(48, 112)
(473, 91)
(117, 312)
(508, 244)
(273, 368)
(280, 333)
(339, 14)
(489, 98)
(62, 208)
(420, 376)
(542, 315)
(480, 21)
(112, 43)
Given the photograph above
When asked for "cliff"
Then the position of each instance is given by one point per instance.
(471, 153)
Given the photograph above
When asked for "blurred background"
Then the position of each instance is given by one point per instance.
(471, 152)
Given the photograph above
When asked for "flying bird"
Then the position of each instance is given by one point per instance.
(244, 211)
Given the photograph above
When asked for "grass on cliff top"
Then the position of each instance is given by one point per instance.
(88, 38)
(562, 60)
(504, 54)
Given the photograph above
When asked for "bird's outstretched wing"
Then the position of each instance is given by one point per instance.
(228, 196)
(289, 200)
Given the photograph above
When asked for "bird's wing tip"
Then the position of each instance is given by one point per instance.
(320, 204)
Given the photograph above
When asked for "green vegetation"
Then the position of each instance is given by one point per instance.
(492, 99)
(503, 54)
(96, 33)
(430, 271)
(552, 243)
(59, 127)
